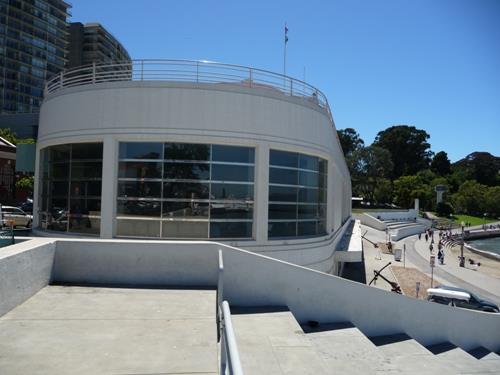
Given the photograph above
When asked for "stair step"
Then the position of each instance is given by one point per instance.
(394, 345)
(270, 341)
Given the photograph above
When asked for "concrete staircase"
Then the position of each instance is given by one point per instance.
(271, 341)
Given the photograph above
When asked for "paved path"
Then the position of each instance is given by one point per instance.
(475, 281)
(77, 330)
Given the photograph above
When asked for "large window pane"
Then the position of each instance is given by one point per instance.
(307, 228)
(282, 194)
(185, 210)
(86, 151)
(308, 162)
(187, 151)
(232, 191)
(85, 170)
(283, 158)
(59, 153)
(282, 211)
(282, 229)
(139, 169)
(308, 195)
(187, 171)
(308, 178)
(138, 150)
(283, 176)
(231, 210)
(139, 189)
(59, 171)
(308, 211)
(233, 154)
(185, 190)
(223, 172)
(230, 229)
(138, 208)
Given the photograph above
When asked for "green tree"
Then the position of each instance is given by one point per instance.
(493, 201)
(368, 166)
(407, 188)
(8, 135)
(470, 198)
(383, 191)
(410, 151)
(441, 164)
(349, 140)
(480, 166)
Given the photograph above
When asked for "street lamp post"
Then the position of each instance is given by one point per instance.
(462, 259)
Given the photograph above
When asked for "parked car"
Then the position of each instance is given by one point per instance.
(459, 297)
(18, 216)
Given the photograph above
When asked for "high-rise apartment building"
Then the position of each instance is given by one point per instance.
(93, 43)
(33, 45)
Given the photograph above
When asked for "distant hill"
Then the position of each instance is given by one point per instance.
(481, 166)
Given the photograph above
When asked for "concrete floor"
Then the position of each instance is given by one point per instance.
(88, 330)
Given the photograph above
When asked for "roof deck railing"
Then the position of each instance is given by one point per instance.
(186, 71)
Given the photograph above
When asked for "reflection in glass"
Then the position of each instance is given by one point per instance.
(139, 189)
(138, 208)
(231, 210)
(283, 158)
(140, 150)
(70, 194)
(187, 171)
(307, 195)
(137, 228)
(192, 184)
(232, 191)
(187, 151)
(186, 210)
(233, 154)
(227, 172)
(139, 169)
(185, 190)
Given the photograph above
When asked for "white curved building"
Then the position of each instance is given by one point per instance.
(184, 150)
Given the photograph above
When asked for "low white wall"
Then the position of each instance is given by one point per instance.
(25, 268)
(372, 222)
(397, 234)
(255, 280)
(354, 250)
(396, 215)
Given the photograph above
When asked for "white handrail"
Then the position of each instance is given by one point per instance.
(185, 71)
(229, 348)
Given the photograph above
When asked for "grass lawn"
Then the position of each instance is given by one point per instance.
(473, 220)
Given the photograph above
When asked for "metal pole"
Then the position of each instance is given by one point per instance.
(462, 259)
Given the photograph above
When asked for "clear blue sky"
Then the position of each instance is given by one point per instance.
(433, 64)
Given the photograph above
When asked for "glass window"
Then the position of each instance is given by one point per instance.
(200, 184)
(139, 169)
(304, 213)
(227, 172)
(138, 150)
(283, 158)
(187, 171)
(187, 151)
(186, 190)
(233, 154)
(282, 194)
(283, 176)
(137, 227)
(70, 194)
(232, 191)
(139, 189)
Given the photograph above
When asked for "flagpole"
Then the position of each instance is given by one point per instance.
(284, 57)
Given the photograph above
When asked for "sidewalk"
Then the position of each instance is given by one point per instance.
(467, 278)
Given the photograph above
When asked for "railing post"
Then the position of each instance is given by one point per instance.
(93, 71)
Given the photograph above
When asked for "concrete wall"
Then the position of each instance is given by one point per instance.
(397, 234)
(25, 268)
(372, 221)
(254, 280)
(205, 113)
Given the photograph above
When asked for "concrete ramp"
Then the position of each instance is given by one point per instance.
(88, 330)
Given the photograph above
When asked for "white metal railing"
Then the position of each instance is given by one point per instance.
(229, 356)
(185, 71)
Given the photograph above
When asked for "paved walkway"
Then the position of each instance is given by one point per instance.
(77, 330)
(451, 273)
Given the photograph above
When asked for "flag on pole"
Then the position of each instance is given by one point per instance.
(286, 34)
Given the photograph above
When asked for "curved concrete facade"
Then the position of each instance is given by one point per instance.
(223, 114)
